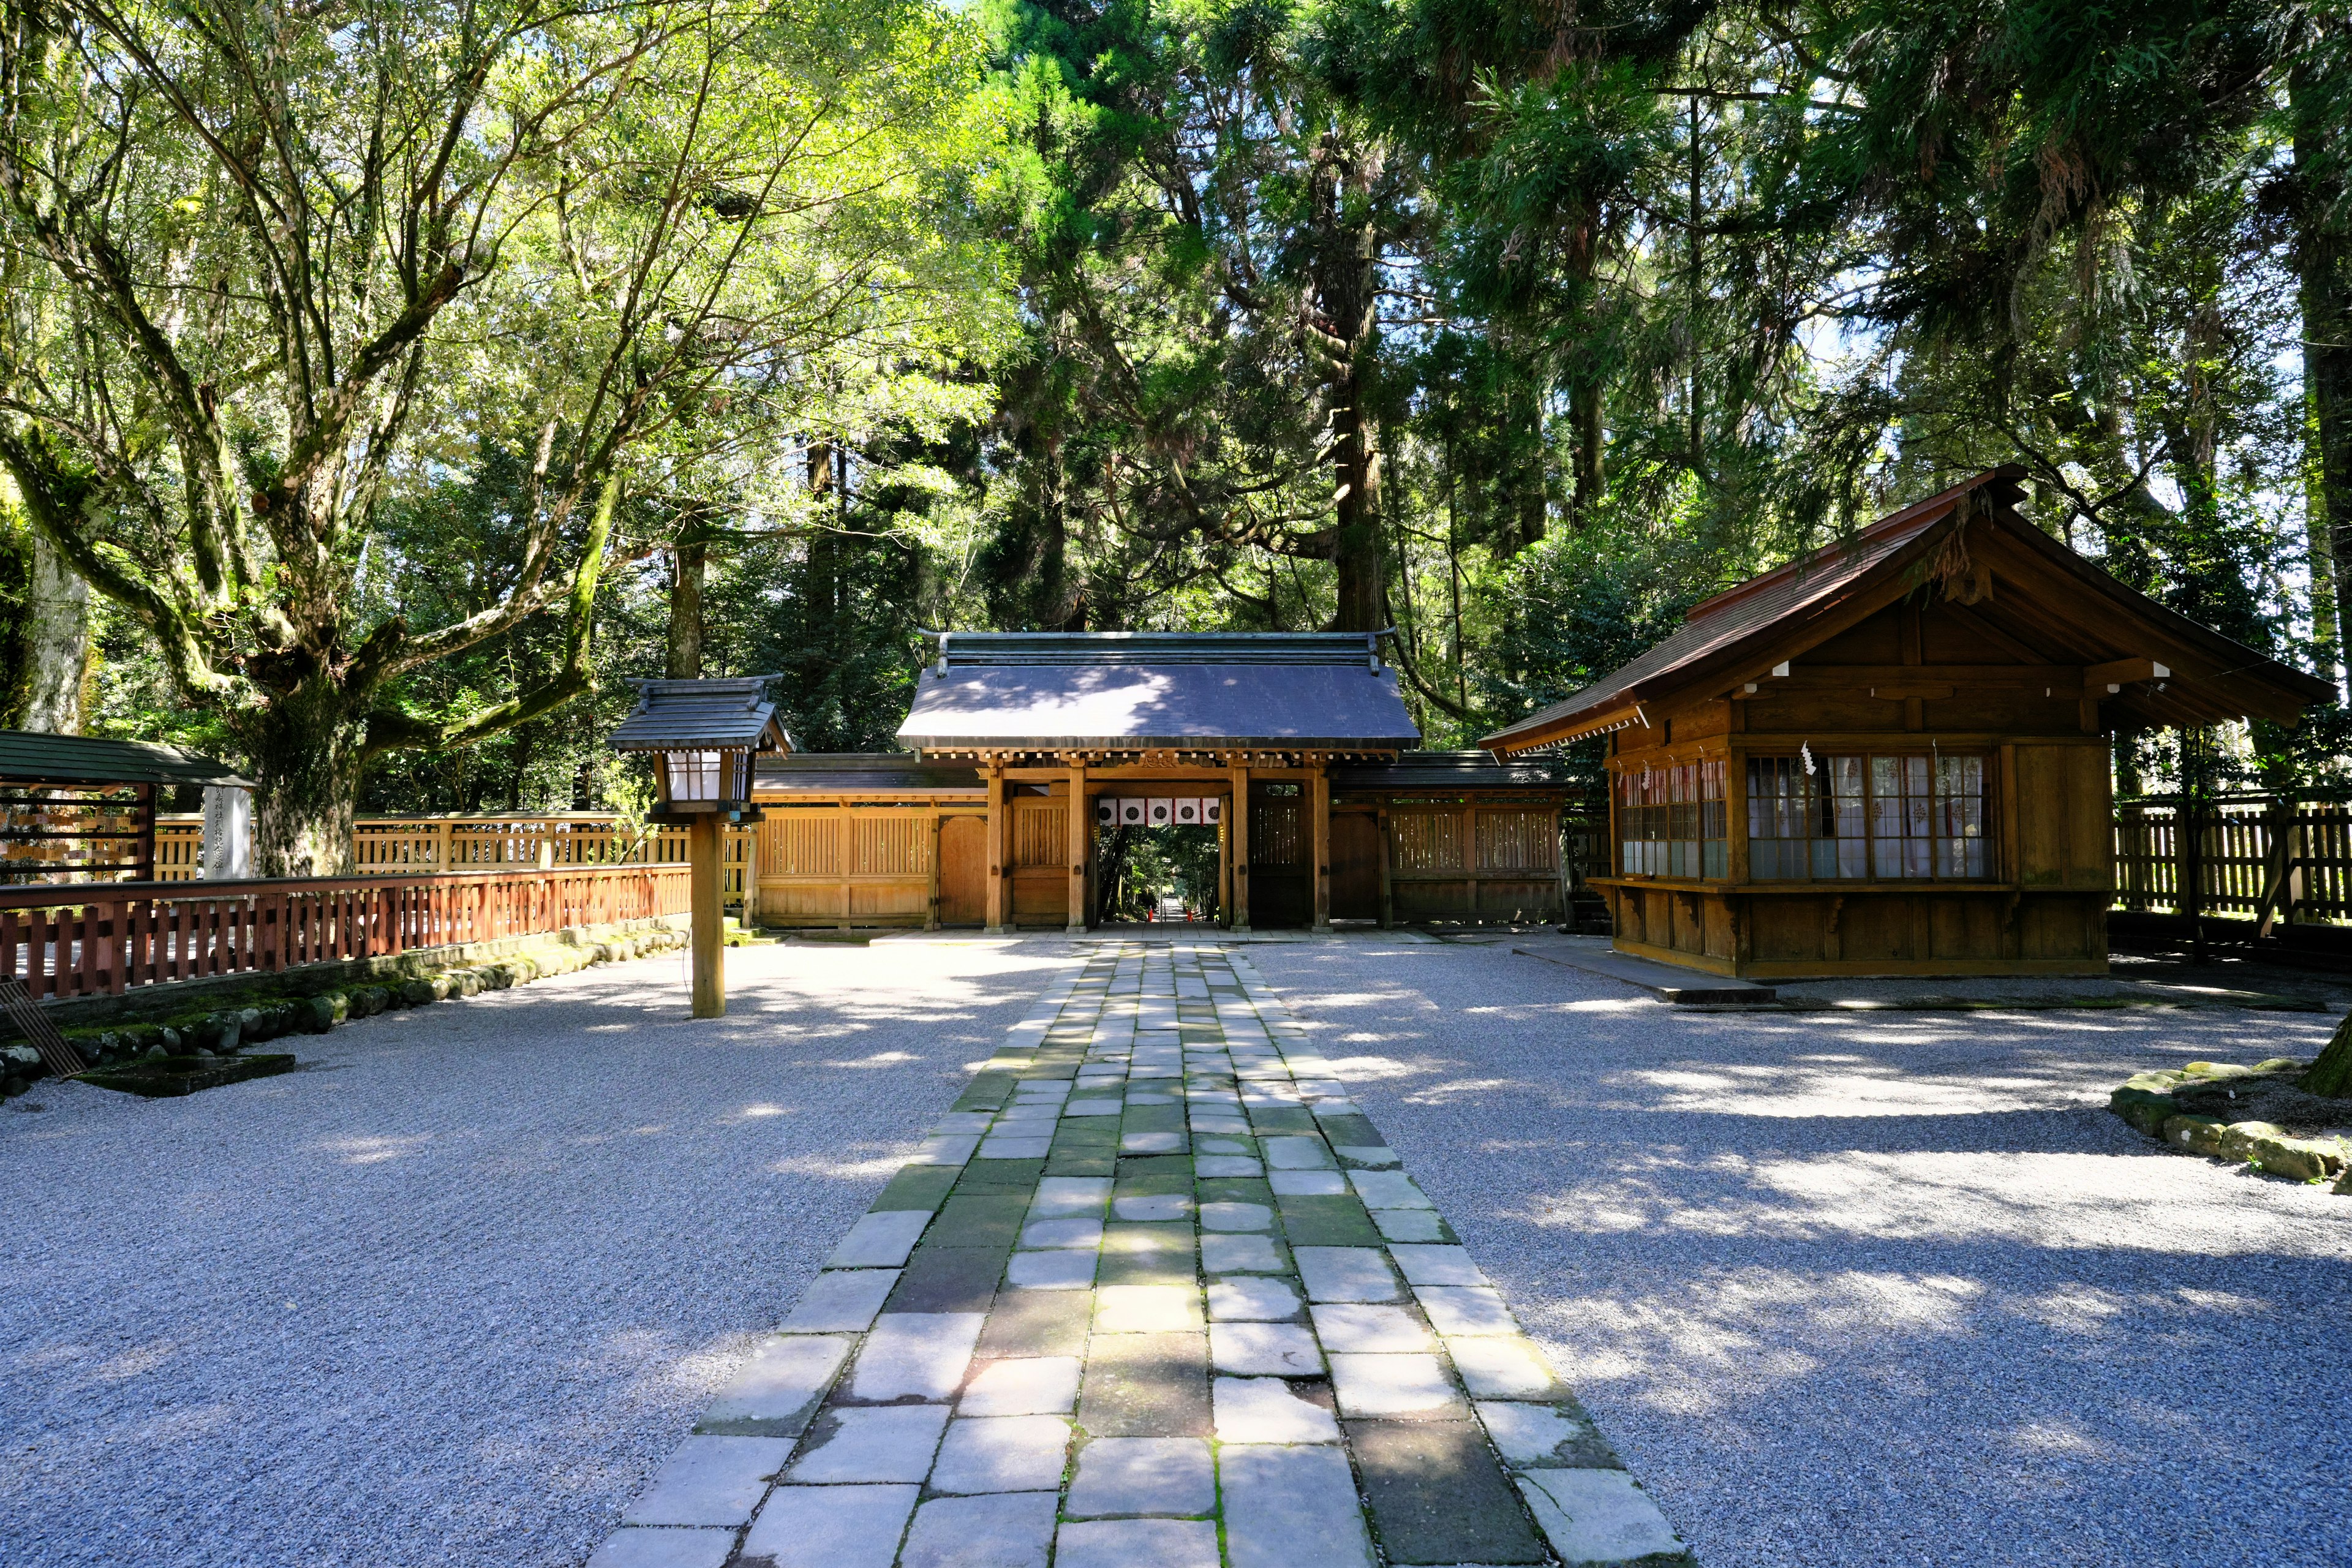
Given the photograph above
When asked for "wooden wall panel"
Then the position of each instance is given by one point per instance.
(1426, 840)
(896, 845)
(1040, 834)
(800, 844)
(1519, 840)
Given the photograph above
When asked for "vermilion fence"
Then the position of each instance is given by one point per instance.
(103, 938)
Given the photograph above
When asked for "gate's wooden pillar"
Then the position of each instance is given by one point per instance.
(1082, 827)
(1237, 824)
(1000, 838)
(1388, 859)
(1318, 793)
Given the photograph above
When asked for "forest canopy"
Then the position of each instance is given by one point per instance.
(383, 387)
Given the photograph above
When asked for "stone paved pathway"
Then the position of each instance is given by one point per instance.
(1155, 1295)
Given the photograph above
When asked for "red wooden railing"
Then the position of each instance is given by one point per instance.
(102, 938)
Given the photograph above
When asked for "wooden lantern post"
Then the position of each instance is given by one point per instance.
(705, 734)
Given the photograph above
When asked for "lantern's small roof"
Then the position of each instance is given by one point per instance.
(1127, 691)
(730, 714)
(28, 756)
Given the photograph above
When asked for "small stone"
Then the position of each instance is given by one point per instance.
(1142, 1475)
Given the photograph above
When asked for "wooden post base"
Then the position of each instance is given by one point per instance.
(706, 845)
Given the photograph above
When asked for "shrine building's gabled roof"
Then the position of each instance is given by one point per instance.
(2025, 586)
(32, 757)
(726, 713)
(1150, 691)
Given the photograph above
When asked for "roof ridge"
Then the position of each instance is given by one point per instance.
(1831, 553)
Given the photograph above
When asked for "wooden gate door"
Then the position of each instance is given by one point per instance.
(1355, 866)
(964, 871)
(1280, 892)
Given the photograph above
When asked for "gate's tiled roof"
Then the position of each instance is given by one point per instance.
(1131, 691)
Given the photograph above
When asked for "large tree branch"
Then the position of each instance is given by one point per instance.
(388, 731)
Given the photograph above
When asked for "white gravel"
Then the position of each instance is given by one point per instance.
(1877, 1289)
(449, 1295)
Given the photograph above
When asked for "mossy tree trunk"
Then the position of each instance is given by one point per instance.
(2331, 1075)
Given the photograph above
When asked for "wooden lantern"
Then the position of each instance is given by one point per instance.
(705, 734)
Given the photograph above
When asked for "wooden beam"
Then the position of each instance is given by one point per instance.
(2114, 675)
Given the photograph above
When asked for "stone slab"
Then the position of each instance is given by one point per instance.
(777, 1393)
(831, 1527)
(715, 1482)
(1291, 1507)
(1012, 1529)
(1596, 1516)
(1437, 1496)
(1115, 1476)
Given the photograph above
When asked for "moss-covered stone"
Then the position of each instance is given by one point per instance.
(2197, 1134)
(2237, 1137)
(2144, 1108)
(2298, 1159)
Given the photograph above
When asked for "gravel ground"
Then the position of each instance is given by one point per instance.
(1876, 1288)
(447, 1295)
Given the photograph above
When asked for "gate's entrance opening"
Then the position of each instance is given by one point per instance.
(1142, 872)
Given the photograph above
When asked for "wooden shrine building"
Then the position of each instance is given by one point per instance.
(1022, 748)
(1892, 756)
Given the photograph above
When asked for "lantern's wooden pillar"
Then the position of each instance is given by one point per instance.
(1237, 824)
(705, 849)
(1319, 791)
(999, 834)
(1081, 840)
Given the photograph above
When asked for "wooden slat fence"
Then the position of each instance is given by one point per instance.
(409, 846)
(2269, 858)
(103, 938)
